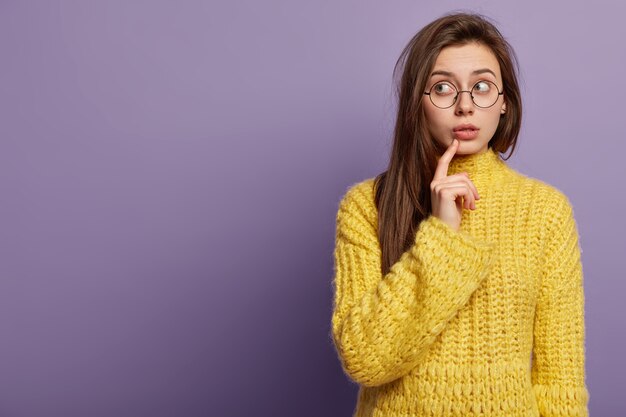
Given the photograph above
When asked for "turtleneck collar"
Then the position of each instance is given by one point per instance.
(485, 167)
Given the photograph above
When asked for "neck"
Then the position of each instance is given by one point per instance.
(482, 167)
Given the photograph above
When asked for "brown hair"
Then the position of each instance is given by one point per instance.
(403, 190)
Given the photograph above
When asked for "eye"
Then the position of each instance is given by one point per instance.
(443, 89)
(482, 86)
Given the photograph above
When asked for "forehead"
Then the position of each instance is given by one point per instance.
(462, 60)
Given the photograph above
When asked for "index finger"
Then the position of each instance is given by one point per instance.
(442, 165)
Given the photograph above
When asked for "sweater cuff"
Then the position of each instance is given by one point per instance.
(458, 252)
(560, 401)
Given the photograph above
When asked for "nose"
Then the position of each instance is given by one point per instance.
(464, 103)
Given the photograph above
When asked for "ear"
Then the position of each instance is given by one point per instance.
(503, 110)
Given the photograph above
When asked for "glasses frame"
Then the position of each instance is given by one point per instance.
(463, 91)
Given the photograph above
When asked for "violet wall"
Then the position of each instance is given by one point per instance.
(170, 173)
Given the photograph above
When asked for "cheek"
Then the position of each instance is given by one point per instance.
(435, 118)
(436, 123)
(428, 112)
(495, 115)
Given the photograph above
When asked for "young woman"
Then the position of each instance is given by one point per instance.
(458, 285)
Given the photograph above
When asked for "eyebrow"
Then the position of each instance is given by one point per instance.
(449, 74)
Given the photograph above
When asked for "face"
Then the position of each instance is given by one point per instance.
(460, 62)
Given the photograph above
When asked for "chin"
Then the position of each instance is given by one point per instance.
(469, 146)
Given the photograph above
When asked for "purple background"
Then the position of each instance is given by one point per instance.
(170, 174)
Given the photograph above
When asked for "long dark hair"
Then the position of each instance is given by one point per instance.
(403, 190)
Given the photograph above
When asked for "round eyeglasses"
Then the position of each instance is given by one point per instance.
(444, 94)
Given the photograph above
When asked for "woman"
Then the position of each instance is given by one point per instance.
(458, 286)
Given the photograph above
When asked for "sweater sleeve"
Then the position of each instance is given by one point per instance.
(383, 325)
(558, 366)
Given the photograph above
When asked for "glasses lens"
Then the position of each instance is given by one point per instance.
(442, 94)
(485, 93)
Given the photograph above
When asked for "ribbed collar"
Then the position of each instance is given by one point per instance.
(485, 167)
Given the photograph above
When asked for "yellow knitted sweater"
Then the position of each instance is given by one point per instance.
(484, 321)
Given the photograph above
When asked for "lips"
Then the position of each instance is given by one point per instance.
(466, 126)
(465, 131)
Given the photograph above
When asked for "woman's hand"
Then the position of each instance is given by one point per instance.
(446, 192)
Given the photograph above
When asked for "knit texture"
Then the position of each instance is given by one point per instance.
(484, 321)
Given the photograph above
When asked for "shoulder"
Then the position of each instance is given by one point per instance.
(360, 194)
(545, 198)
(547, 208)
(551, 200)
(555, 214)
(357, 208)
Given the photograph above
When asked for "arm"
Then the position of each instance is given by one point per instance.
(382, 326)
(558, 368)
